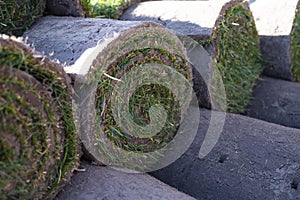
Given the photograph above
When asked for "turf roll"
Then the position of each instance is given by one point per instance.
(132, 81)
(225, 28)
(278, 25)
(17, 16)
(38, 135)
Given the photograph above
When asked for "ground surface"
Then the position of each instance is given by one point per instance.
(105, 183)
(276, 101)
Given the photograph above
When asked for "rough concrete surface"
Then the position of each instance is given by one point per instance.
(105, 183)
(276, 52)
(252, 159)
(276, 101)
(274, 22)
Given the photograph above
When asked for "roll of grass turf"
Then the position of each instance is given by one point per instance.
(133, 85)
(278, 25)
(38, 137)
(17, 16)
(225, 28)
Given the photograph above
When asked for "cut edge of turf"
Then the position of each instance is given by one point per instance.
(56, 82)
(142, 45)
(295, 45)
(237, 54)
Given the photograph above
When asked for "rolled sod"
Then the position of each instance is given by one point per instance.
(17, 16)
(225, 28)
(118, 48)
(252, 159)
(278, 25)
(98, 182)
(276, 101)
(38, 136)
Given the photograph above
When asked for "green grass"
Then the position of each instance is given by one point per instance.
(238, 56)
(21, 121)
(105, 8)
(140, 102)
(39, 137)
(17, 16)
(132, 148)
(295, 48)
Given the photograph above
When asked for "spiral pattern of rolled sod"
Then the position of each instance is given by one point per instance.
(17, 16)
(140, 89)
(38, 137)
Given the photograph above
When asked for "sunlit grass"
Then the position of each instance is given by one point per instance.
(17, 16)
(105, 8)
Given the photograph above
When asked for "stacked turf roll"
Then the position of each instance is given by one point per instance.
(17, 16)
(225, 28)
(124, 74)
(38, 137)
